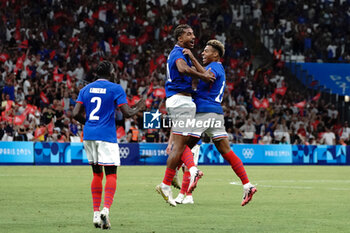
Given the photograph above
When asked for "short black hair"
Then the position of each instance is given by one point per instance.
(179, 30)
(104, 69)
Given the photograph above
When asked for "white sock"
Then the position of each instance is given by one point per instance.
(180, 195)
(193, 170)
(105, 210)
(247, 185)
(165, 185)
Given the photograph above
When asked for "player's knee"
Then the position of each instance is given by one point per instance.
(222, 145)
(96, 168)
(110, 170)
(178, 150)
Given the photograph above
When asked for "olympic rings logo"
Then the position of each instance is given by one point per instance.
(248, 153)
(124, 152)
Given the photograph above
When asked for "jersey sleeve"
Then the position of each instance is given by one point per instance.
(120, 97)
(179, 55)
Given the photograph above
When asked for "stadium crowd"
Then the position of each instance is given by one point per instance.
(309, 31)
(50, 49)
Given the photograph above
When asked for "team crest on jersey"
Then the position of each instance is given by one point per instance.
(151, 120)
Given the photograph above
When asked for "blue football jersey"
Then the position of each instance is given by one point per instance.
(209, 96)
(177, 82)
(100, 100)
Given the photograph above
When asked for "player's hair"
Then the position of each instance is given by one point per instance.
(179, 30)
(104, 69)
(218, 46)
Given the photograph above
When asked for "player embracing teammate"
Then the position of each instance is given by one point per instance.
(181, 108)
(207, 100)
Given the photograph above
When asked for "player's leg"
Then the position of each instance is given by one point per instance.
(185, 196)
(109, 156)
(223, 146)
(110, 187)
(187, 158)
(181, 109)
(96, 191)
(96, 183)
(173, 161)
(184, 185)
(192, 164)
(189, 198)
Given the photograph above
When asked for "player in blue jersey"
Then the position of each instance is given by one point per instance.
(180, 107)
(208, 100)
(99, 100)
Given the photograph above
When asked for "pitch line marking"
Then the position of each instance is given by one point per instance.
(293, 187)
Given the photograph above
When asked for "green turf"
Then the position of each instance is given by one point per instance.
(289, 199)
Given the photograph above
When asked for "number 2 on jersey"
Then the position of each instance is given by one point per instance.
(221, 94)
(98, 106)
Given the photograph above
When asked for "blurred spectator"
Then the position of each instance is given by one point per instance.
(248, 131)
(134, 133)
(345, 134)
(152, 135)
(328, 138)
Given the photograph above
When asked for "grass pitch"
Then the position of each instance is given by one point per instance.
(289, 199)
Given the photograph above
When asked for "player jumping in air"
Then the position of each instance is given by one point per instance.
(185, 195)
(99, 101)
(208, 100)
(180, 107)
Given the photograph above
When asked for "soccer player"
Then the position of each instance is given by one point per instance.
(99, 100)
(185, 195)
(180, 107)
(208, 100)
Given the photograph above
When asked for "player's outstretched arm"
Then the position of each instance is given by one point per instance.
(78, 113)
(129, 112)
(195, 62)
(183, 68)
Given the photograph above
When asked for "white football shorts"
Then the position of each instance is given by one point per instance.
(212, 124)
(181, 110)
(102, 153)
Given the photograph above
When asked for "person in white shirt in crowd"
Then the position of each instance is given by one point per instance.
(19, 95)
(282, 131)
(26, 86)
(248, 131)
(328, 138)
(78, 73)
(267, 139)
(332, 112)
(345, 133)
(124, 81)
(66, 100)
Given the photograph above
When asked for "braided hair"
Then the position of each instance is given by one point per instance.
(104, 69)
